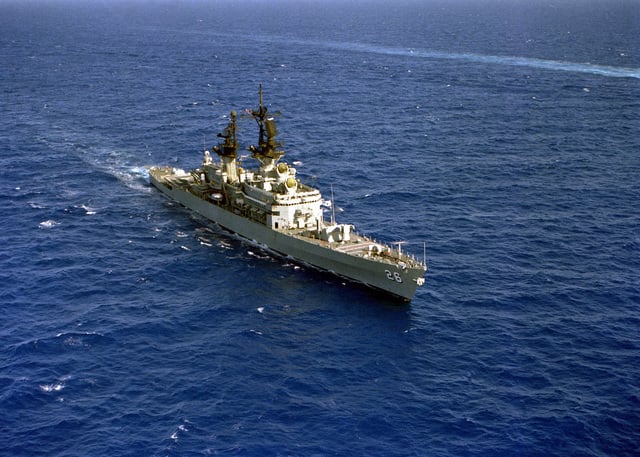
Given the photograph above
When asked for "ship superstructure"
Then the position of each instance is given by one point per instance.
(272, 207)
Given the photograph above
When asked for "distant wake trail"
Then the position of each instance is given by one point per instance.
(602, 70)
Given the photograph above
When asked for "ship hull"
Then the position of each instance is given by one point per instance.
(392, 280)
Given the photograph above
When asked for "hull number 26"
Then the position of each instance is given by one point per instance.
(395, 276)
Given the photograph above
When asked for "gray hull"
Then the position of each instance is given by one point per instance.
(395, 280)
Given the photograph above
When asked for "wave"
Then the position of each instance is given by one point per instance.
(114, 161)
(513, 61)
(56, 387)
(50, 223)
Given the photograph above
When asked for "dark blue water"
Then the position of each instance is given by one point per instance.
(505, 135)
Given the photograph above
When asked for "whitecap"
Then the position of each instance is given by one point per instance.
(142, 172)
(181, 428)
(88, 210)
(261, 309)
(57, 387)
(50, 223)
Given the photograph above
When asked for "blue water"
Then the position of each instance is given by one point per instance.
(505, 135)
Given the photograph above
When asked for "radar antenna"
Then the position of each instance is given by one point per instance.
(267, 145)
(229, 147)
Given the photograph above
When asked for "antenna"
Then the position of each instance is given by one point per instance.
(333, 208)
(399, 243)
(424, 253)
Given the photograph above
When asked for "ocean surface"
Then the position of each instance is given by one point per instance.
(503, 134)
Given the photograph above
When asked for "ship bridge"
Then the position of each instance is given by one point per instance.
(296, 210)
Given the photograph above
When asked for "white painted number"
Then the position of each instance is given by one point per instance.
(395, 276)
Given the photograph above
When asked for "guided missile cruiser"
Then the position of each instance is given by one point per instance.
(270, 206)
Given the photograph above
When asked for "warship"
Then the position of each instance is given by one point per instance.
(270, 206)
